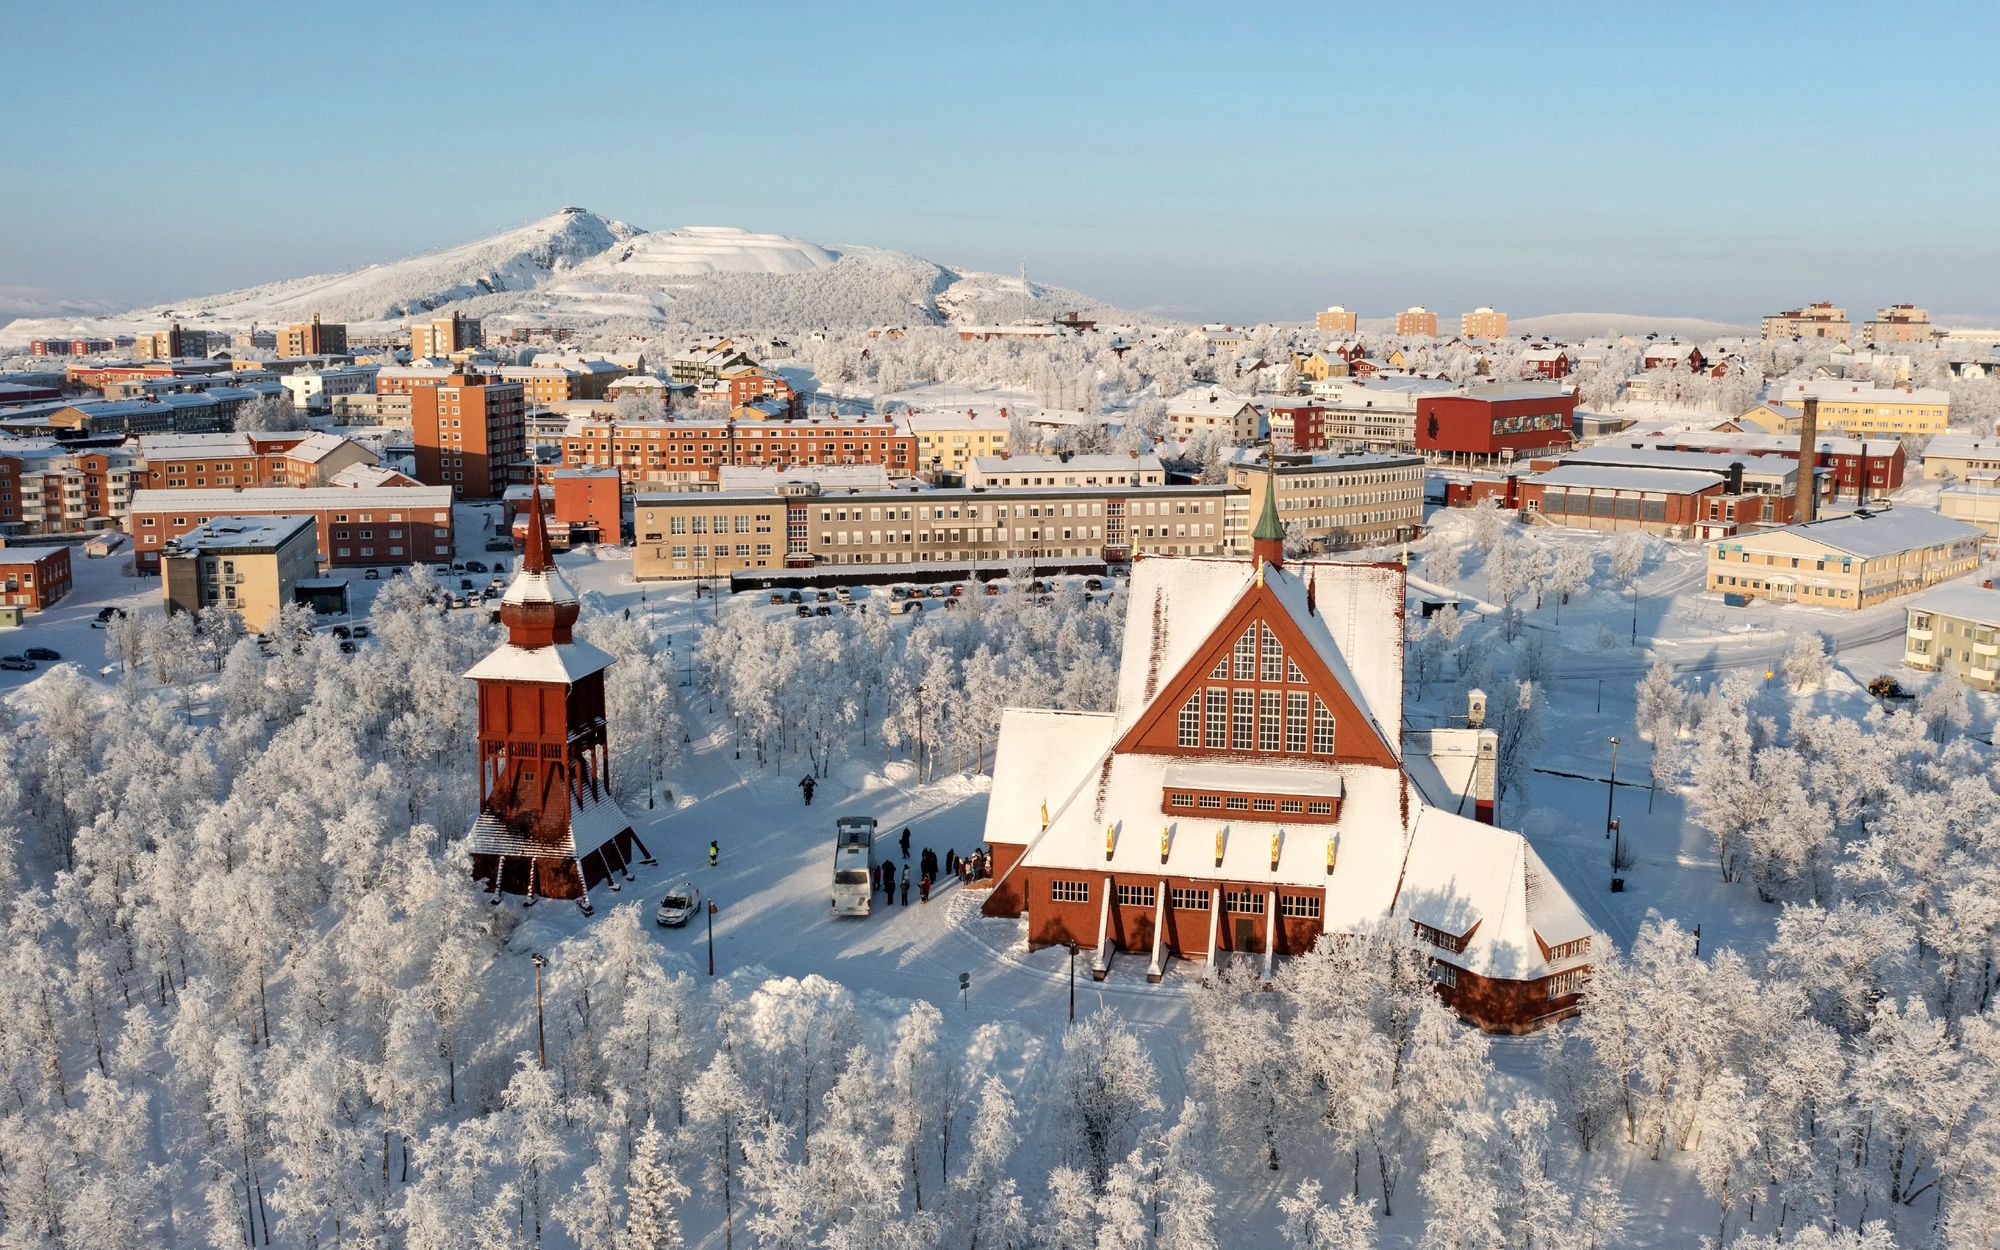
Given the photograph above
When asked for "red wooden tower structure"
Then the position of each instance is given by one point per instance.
(547, 825)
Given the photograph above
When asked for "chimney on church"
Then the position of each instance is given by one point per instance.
(1805, 500)
(1267, 541)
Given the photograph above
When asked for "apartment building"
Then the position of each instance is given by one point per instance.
(1860, 468)
(1377, 412)
(1296, 425)
(668, 454)
(740, 385)
(470, 433)
(1483, 323)
(1337, 502)
(559, 383)
(227, 461)
(1956, 630)
(357, 525)
(1010, 472)
(1335, 320)
(1849, 562)
(1416, 322)
(1814, 321)
(707, 360)
(49, 488)
(32, 579)
(172, 343)
(1898, 323)
(712, 534)
(249, 564)
(1864, 409)
(68, 347)
(1957, 457)
(1212, 410)
(315, 390)
(312, 338)
(951, 440)
(442, 336)
(1978, 504)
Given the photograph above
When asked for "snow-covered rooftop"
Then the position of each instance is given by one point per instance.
(1882, 533)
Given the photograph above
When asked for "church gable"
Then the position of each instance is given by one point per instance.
(1257, 687)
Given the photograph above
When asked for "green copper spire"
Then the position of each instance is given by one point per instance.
(1268, 526)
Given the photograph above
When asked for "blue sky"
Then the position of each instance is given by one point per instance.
(1230, 161)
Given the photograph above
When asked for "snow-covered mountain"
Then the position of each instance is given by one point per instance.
(577, 267)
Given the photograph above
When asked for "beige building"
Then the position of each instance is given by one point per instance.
(1978, 504)
(1339, 502)
(1379, 411)
(1957, 457)
(1212, 410)
(1864, 409)
(1956, 630)
(441, 336)
(1898, 323)
(1335, 320)
(1483, 323)
(248, 564)
(1850, 561)
(1814, 321)
(1416, 322)
(684, 535)
(950, 440)
(311, 338)
(1010, 472)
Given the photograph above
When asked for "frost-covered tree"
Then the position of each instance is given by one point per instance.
(1103, 1083)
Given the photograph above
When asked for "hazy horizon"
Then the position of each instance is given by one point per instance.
(1579, 161)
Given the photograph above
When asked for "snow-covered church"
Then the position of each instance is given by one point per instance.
(1253, 789)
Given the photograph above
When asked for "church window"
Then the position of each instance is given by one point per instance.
(1293, 673)
(1242, 717)
(1273, 658)
(1190, 722)
(1069, 891)
(1322, 731)
(1246, 655)
(1270, 718)
(1301, 906)
(1249, 902)
(1218, 713)
(1298, 716)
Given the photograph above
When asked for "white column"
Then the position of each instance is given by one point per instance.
(1215, 927)
(1101, 962)
(1159, 964)
(1270, 934)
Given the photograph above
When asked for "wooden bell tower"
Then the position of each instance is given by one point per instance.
(547, 826)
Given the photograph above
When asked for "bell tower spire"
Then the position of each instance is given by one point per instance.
(1267, 541)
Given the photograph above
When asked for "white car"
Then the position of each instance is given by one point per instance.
(683, 900)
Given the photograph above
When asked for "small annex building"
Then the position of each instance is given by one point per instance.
(1248, 794)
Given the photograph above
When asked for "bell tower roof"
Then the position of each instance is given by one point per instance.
(539, 607)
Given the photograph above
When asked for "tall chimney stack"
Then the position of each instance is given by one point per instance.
(1806, 499)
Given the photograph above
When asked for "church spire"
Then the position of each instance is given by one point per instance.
(1267, 541)
(536, 559)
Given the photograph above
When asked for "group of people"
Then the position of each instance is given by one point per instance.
(890, 882)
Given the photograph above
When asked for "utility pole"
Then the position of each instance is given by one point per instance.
(1072, 982)
(711, 937)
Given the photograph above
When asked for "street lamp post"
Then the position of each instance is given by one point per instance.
(1635, 613)
(1072, 982)
(711, 937)
(1611, 788)
(541, 1036)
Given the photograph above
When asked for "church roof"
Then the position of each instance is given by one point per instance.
(564, 663)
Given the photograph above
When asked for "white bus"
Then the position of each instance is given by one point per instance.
(853, 865)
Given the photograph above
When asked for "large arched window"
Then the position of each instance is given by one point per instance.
(1253, 703)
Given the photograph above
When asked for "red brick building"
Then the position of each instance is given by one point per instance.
(1859, 467)
(1499, 422)
(289, 458)
(1251, 791)
(357, 526)
(739, 384)
(1297, 427)
(471, 434)
(547, 825)
(47, 488)
(33, 578)
(653, 454)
